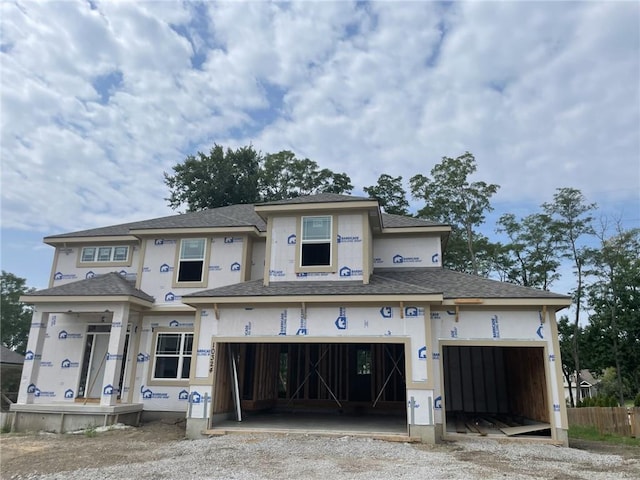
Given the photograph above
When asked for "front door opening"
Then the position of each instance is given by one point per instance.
(327, 380)
(93, 361)
(495, 390)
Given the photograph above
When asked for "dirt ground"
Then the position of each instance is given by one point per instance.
(32, 455)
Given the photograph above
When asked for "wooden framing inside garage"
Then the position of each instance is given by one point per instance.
(363, 377)
(496, 387)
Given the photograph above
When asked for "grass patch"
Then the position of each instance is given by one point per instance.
(591, 433)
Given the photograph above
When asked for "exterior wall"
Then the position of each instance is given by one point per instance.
(56, 363)
(66, 270)
(350, 255)
(159, 269)
(330, 324)
(407, 251)
(496, 327)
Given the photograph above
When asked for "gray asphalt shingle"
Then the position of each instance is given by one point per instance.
(108, 285)
(405, 281)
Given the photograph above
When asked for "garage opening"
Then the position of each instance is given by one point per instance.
(323, 383)
(495, 390)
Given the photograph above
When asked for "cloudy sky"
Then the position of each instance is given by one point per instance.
(98, 99)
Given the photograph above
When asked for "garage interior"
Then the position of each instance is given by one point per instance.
(492, 390)
(310, 386)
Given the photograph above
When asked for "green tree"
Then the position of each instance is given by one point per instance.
(284, 176)
(614, 300)
(571, 217)
(215, 180)
(566, 336)
(531, 256)
(390, 194)
(16, 316)
(451, 198)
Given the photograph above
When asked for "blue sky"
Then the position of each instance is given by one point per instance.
(98, 99)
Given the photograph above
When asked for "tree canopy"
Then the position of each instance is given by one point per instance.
(390, 194)
(226, 177)
(16, 316)
(450, 197)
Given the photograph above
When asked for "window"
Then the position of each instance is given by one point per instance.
(363, 359)
(191, 261)
(173, 356)
(104, 254)
(316, 241)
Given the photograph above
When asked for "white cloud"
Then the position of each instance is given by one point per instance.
(545, 95)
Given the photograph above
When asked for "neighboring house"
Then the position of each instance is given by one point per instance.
(321, 304)
(588, 385)
(10, 369)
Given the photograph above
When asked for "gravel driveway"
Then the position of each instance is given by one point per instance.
(158, 452)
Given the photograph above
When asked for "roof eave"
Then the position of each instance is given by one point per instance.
(38, 299)
(150, 232)
(355, 298)
(559, 302)
(57, 241)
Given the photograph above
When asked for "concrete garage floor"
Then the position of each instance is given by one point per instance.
(380, 426)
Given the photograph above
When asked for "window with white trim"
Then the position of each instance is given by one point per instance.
(104, 254)
(173, 356)
(315, 245)
(191, 260)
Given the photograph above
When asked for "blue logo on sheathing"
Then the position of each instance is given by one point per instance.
(196, 397)
(345, 272)
(66, 363)
(397, 259)
(29, 355)
(556, 407)
(164, 268)
(64, 335)
(31, 388)
(435, 258)
(147, 394)
(422, 353)
(109, 390)
(90, 274)
(341, 321)
(142, 357)
(291, 239)
(68, 393)
(174, 323)
(437, 403)
(411, 312)
(386, 312)
(169, 297)
(183, 395)
(64, 276)
(235, 267)
(495, 327)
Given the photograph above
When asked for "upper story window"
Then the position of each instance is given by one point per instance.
(117, 254)
(191, 260)
(316, 242)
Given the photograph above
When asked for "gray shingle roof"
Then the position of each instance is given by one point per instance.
(377, 286)
(9, 357)
(400, 221)
(426, 281)
(233, 216)
(462, 285)
(230, 216)
(108, 285)
(319, 198)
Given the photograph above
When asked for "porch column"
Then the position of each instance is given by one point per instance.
(31, 367)
(115, 354)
